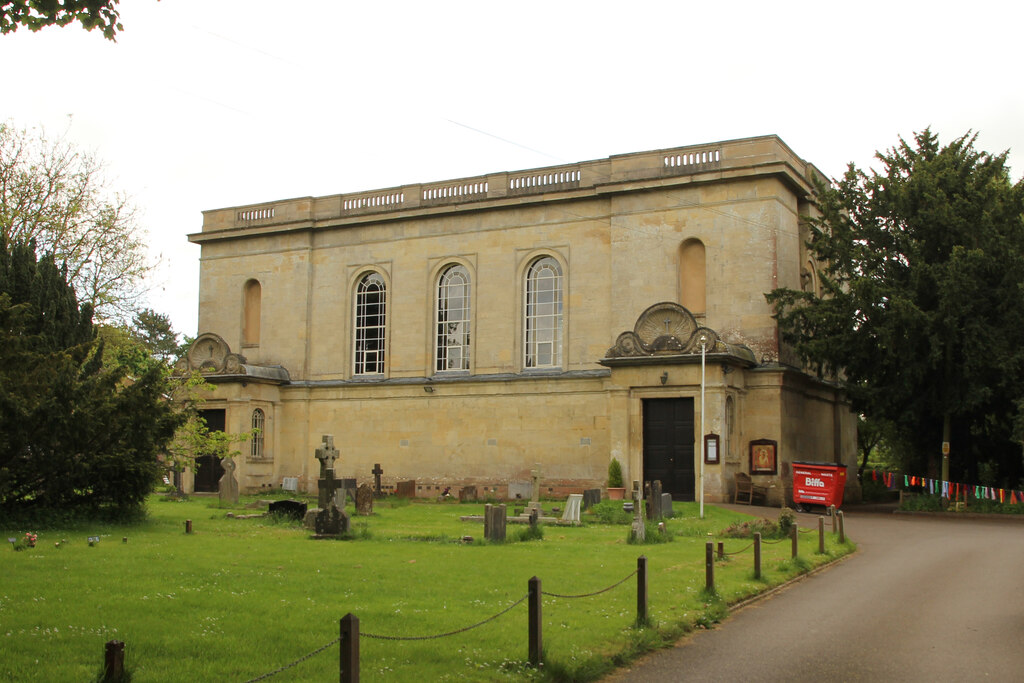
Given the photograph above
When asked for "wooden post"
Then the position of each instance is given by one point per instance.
(536, 644)
(794, 534)
(349, 657)
(842, 527)
(821, 535)
(188, 526)
(832, 513)
(113, 661)
(709, 567)
(641, 591)
(721, 550)
(757, 555)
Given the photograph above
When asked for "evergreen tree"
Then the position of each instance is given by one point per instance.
(922, 267)
(73, 432)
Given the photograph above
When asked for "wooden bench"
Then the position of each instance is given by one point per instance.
(747, 490)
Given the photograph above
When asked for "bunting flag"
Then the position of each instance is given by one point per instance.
(951, 490)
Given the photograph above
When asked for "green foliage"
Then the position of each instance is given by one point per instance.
(608, 512)
(529, 532)
(36, 14)
(56, 197)
(787, 520)
(922, 503)
(193, 439)
(922, 268)
(614, 474)
(74, 432)
(766, 527)
(652, 535)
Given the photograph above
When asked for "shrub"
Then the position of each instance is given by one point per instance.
(614, 474)
(610, 512)
(787, 520)
(766, 527)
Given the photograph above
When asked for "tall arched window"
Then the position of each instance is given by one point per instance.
(692, 276)
(452, 320)
(256, 445)
(370, 325)
(251, 313)
(542, 312)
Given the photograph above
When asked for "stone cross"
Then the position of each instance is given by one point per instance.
(327, 487)
(377, 471)
(535, 474)
(326, 454)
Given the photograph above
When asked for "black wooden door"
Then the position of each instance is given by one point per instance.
(668, 445)
(208, 468)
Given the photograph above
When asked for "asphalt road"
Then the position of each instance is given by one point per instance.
(923, 599)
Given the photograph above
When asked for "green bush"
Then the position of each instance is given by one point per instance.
(614, 474)
(766, 527)
(609, 512)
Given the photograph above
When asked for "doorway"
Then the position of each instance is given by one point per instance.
(208, 467)
(668, 445)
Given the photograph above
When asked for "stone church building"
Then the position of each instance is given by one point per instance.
(467, 331)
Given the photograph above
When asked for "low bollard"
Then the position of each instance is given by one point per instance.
(709, 567)
(113, 662)
(757, 555)
(794, 534)
(821, 535)
(536, 644)
(832, 514)
(188, 526)
(641, 591)
(721, 550)
(842, 527)
(349, 646)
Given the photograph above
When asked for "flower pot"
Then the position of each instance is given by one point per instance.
(616, 493)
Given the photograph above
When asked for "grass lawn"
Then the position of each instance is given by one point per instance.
(242, 597)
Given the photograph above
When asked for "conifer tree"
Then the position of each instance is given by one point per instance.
(922, 267)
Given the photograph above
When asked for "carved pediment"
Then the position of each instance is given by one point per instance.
(666, 328)
(210, 355)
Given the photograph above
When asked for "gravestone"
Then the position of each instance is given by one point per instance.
(406, 489)
(377, 471)
(347, 490)
(326, 454)
(591, 497)
(654, 504)
(331, 522)
(291, 508)
(495, 522)
(666, 505)
(364, 500)
(572, 508)
(228, 489)
(467, 494)
(535, 479)
(327, 490)
(639, 529)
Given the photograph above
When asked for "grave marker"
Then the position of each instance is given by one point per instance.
(227, 488)
(364, 500)
(377, 471)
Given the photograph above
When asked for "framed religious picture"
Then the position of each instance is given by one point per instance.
(711, 449)
(764, 457)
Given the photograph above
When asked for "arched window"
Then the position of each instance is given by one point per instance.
(542, 313)
(452, 320)
(370, 325)
(251, 313)
(692, 276)
(256, 445)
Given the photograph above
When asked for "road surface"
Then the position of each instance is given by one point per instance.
(924, 599)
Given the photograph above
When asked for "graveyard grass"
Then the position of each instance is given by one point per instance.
(239, 598)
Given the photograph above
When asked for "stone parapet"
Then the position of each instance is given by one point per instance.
(766, 155)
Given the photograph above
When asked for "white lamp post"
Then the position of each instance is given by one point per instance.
(703, 354)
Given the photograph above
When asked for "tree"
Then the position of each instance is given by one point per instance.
(155, 332)
(74, 433)
(36, 14)
(56, 196)
(922, 267)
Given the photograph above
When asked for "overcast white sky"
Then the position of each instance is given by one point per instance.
(203, 104)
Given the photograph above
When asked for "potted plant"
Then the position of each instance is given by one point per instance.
(615, 489)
